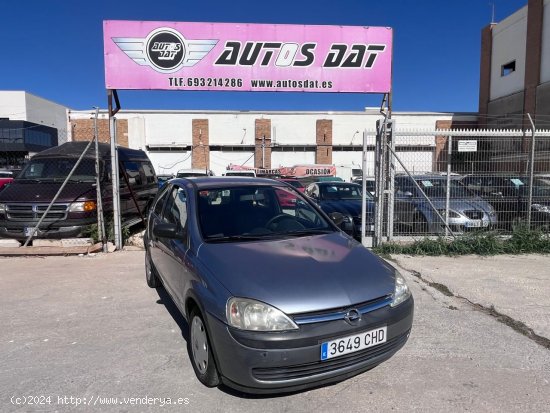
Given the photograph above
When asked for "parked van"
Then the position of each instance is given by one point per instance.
(25, 200)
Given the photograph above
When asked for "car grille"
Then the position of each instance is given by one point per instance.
(33, 212)
(473, 214)
(340, 313)
(299, 371)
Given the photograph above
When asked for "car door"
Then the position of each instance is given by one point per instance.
(156, 247)
(175, 249)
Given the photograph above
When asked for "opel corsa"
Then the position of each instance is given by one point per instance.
(276, 296)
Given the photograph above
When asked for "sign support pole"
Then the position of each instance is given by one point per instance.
(115, 167)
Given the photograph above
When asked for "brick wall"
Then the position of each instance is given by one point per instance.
(201, 141)
(323, 134)
(262, 134)
(83, 130)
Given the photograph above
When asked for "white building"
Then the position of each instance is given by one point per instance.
(177, 140)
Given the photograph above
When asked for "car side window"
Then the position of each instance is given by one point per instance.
(176, 208)
(148, 172)
(159, 206)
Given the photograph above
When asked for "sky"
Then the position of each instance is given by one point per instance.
(54, 49)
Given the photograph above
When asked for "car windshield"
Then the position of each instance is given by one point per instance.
(57, 169)
(437, 188)
(242, 213)
(341, 192)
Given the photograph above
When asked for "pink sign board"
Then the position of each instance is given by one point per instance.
(247, 57)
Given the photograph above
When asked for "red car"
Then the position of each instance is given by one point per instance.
(294, 182)
(5, 178)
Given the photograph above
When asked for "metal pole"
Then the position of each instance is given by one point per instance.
(99, 200)
(391, 178)
(531, 171)
(448, 194)
(115, 185)
(379, 182)
(364, 192)
(112, 93)
(421, 191)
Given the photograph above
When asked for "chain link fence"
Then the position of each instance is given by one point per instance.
(452, 182)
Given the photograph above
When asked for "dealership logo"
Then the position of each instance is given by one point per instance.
(165, 50)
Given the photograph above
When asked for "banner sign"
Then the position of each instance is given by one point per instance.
(303, 171)
(247, 57)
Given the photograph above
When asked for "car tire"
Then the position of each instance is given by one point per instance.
(151, 274)
(200, 351)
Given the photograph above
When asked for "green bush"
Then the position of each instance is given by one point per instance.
(522, 241)
(93, 232)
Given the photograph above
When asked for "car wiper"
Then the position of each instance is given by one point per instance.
(305, 232)
(230, 238)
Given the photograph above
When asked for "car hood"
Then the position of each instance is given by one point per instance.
(352, 208)
(45, 191)
(463, 204)
(299, 275)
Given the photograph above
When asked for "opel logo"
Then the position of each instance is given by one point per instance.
(353, 317)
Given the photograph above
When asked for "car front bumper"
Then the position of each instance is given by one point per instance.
(59, 230)
(273, 362)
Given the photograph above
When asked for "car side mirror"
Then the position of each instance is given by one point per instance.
(166, 230)
(337, 218)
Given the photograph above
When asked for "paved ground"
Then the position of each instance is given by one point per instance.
(89, 328)
(517, 286)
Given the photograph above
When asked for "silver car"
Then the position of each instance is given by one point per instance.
(467, 211)
(276, 296)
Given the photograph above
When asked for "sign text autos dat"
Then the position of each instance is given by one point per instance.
(246, 57)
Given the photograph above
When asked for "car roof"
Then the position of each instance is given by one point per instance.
(228, 181)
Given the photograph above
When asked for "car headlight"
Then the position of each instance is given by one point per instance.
(247, 314)
(401, 290)
(2, 208)
(452, 214)
(536, 207)
(86, 206)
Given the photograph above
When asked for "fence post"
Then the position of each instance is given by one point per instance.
(380, 183)
(390, 175)
(115, 183)
(364, 191)
(531, 171)
(448, 192)
(100, 219)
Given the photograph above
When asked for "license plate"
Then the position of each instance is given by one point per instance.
(351, 344)
(28, 231)
(476, 223)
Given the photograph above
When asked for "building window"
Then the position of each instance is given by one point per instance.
(508, 68)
